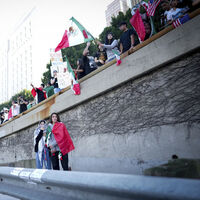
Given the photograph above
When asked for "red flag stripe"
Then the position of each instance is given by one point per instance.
(176, 23)
(64, 42)
(137, 23)
(85, 34)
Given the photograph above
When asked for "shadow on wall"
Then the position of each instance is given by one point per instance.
(180, 168)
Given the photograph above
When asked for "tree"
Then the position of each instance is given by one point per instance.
(24, 93)
(5, 105)
(114, 28)
(47, 75)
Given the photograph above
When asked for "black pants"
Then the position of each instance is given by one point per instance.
(55, 161)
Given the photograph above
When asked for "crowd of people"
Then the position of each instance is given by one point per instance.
(54, 148)
(105, 54)
(39, 94)
(17, 107)
(170, 11)
(52, 141)
(174, 9)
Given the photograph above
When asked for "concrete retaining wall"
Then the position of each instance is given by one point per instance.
(128, 118)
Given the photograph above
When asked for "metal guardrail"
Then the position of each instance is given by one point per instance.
(35, 184)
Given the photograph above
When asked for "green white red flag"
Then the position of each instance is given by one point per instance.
(74, 35)
(75, 86)
(117, 55)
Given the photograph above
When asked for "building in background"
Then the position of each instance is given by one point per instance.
(19, 58)
(114, 8)
(4, 71)
(132, 3)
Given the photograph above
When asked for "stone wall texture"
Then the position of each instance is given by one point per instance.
(137, 125)
(169, 95)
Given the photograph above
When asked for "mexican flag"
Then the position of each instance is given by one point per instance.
(75, 87)
(74, 35)
(145, 4)
(138, 25)
(62, 138)
(117, 55)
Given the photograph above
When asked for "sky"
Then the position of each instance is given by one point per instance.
(52, 17)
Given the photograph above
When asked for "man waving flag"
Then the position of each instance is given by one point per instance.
(74, 35)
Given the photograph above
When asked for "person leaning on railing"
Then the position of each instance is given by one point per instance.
(100, 57)
(22, 103)
(89, 64)
(54, 82)
(127, 39)
(110, 44)
(80, 70)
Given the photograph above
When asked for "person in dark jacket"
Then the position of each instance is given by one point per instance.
(80, 70)
(41, 93)
(127, 39)
(22, 103)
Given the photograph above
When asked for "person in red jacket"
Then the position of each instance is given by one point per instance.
(59, 141)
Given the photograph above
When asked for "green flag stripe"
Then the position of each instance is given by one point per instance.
(81, 27)
(69, 68)
(115, 52)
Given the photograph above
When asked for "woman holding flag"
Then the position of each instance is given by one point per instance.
(59, 141)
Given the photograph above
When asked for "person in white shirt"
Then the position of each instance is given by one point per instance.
(15, 109)
(174, 12)
(165, 6)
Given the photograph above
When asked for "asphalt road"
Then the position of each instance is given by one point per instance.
(5, 197)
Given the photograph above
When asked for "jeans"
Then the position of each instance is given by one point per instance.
(55, 161)
(46, 159)
(56, 90)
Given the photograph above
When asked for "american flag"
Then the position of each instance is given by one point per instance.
(181, 21)
(144, 4)
(152, 5)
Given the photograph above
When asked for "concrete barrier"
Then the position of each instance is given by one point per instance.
(47, 184)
